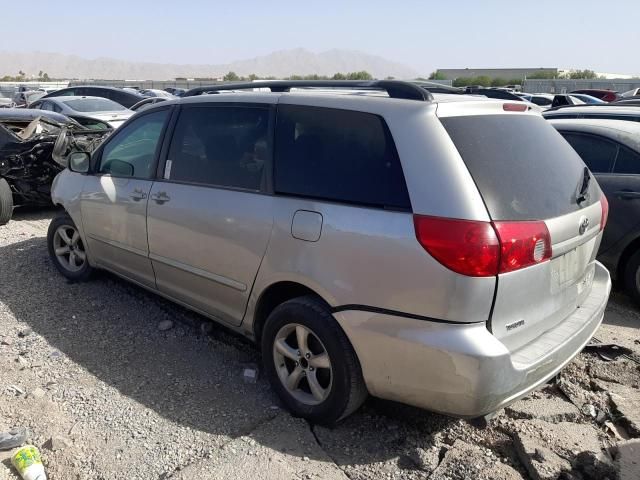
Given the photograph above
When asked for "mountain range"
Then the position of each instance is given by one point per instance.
(279, 64)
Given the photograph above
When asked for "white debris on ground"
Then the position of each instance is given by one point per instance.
(113, 382)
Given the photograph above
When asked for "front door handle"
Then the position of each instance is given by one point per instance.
(160, 197)
(627, 195)
(138, 195)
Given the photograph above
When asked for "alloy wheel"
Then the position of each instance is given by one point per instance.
(303, 364)
(69, 249)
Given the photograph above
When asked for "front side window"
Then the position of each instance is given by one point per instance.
(220, 146)
(596, 152)
(338, 155)
(131, 152)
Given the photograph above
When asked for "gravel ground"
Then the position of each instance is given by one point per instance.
(107, 394)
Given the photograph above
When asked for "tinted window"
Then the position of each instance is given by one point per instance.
(542, 101)
(123, 98)
(596, 152)
(66, 93)
(338, 155)
(131, 152)
(523, 168)
(628, 161)
(218, 145)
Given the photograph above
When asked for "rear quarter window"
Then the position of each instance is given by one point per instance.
(523, 168)
(598, 153)
(337, 155)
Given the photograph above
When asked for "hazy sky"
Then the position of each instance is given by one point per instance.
(603, 36)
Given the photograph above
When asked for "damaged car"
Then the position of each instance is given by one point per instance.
(34, 145)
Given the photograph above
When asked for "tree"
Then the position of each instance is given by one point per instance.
(498, 82)
(339, 76)
(362, 75)
(580, 74)
(231, 77)
(253, 77)
(437, 75)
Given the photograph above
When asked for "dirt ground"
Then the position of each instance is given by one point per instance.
(106, 394)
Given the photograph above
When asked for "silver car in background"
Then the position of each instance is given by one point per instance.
(80, 108)
(437, 252)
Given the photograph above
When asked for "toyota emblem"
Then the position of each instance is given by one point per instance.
(584, 224)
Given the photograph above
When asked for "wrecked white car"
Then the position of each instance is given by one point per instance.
(34, 145)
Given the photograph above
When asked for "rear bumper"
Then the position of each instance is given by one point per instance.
(463, 370)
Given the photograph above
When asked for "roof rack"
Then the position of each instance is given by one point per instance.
(394, 88)
(439, 88)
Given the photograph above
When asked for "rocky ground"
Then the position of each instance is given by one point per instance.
(114, 383)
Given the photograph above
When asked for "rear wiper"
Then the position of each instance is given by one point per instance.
(581, 195)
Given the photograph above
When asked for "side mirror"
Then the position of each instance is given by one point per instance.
(79, 162)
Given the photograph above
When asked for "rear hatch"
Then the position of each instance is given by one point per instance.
(531, 180)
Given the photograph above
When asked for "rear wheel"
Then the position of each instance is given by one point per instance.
(66, 249)
(632, 276)
(6, 202)
(310, 362)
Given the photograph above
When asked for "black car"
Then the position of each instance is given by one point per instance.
(118, 95)
(611, 150)
(178, 92)
(34, 145)
(493, 93)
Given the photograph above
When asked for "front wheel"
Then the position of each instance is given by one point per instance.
(67, 250)
(310, 362)
(6, 202)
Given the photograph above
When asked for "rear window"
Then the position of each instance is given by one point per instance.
(338, 155)
(523, 168)
(93, 105)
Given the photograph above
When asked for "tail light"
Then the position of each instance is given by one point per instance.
(522, 244)
(604, 204)
(483, 249)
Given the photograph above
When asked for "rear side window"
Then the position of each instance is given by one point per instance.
(542, 101)
(596, 152)
(338, 155)
(523, 168)
(628, 161)
(220, 146)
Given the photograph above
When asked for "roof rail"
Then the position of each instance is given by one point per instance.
(394, 88)
(433, 87)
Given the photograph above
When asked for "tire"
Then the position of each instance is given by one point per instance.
(74, 262)
(6, 202)
(341, 386)
(632, 276)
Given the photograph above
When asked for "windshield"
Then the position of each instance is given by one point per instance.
(32, 97)
(93, 105)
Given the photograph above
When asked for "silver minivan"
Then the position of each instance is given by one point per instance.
(434, 251)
